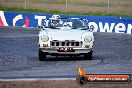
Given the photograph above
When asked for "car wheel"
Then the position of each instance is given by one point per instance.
(88, 56)
(42, 55)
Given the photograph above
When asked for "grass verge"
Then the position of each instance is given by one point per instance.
(60, 12)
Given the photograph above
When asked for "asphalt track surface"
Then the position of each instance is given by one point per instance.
(19, 56)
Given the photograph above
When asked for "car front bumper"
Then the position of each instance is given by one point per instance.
(54, 50)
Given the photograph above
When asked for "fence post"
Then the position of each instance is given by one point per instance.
(25, 4)
(66, 2)
(108, 3)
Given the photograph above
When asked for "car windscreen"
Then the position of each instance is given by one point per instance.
(61, 23)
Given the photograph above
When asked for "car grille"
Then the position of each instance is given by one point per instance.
(66, 43)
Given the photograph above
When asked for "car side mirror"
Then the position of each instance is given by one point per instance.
(40, 27)
(91, 28)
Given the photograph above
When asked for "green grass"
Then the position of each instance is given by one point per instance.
(59, 12)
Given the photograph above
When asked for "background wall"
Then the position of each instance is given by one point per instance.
(101, 23)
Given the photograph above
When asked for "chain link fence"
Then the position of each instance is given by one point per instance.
(115, 6)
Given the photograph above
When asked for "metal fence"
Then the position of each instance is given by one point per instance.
(116, 6)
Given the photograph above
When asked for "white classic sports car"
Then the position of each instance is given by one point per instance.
(65, 36)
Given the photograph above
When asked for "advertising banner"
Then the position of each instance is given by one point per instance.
(101, 23)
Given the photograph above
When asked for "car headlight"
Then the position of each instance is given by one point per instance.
(44, 38)
(87, 39)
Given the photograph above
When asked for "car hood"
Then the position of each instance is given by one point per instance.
(73, 34)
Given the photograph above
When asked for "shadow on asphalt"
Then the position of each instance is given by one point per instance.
(67, 58)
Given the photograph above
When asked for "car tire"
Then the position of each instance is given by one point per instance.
(42, 55)
(88, 56)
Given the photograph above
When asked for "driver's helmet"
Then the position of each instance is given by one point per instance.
(56, 16)
(55, 21)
